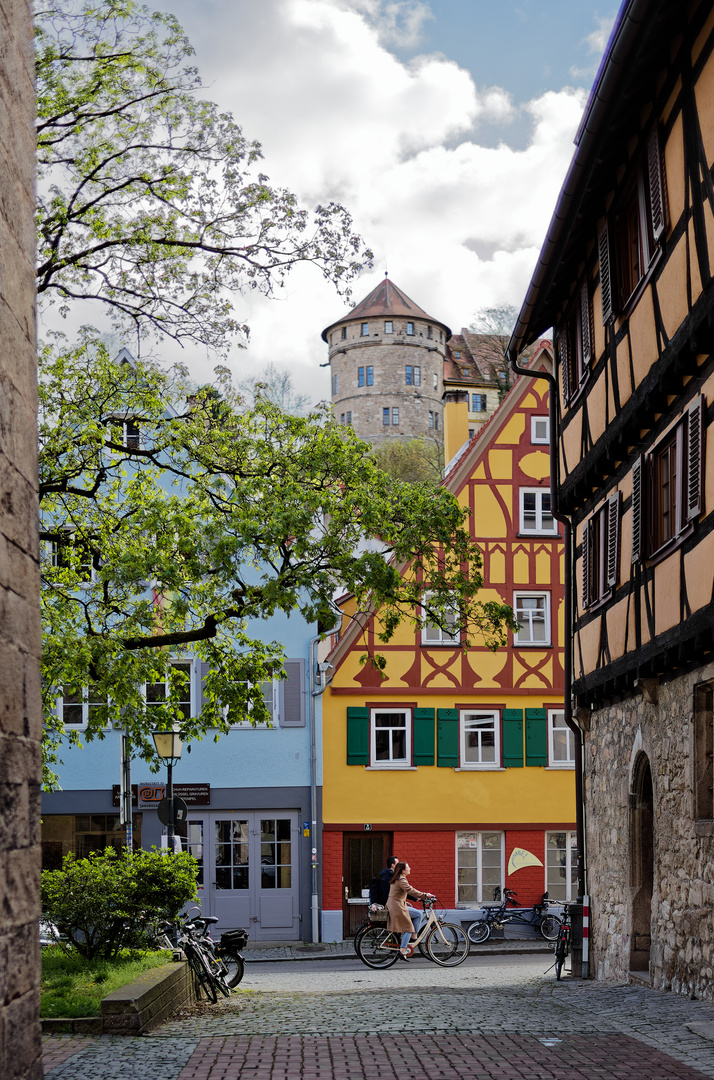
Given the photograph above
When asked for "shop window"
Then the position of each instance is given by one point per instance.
(536, 516)
(532, 612)
(561, 866)
(390, 738)
(540, 430)
(601, 547)
(667, 486)
(479, 867)
(561, 741)
(480, 740)
(82, 834)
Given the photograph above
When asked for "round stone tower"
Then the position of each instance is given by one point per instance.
(387, 367)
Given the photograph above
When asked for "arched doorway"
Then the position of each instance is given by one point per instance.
(641, 864)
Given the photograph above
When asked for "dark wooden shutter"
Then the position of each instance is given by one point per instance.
(613, 540)
(536, 737)
(585, 563)
(638, 509)
(423, 736)
(585, 329)
(656, 184)
(695, 458)
(564, 363)
(512, 729)
(447, 738)
(603, 247)
(292, 695)
(357, 735)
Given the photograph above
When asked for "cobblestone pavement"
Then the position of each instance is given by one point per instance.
(492, 1017)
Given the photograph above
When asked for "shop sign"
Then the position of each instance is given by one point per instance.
(148, 795)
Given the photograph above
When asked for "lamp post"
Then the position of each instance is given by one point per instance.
(168, 748)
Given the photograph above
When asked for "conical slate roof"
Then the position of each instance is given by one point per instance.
(385, 300)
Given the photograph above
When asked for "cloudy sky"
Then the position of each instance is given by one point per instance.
(445, 126)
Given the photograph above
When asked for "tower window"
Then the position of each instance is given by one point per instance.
(364, 332)
(436, 381)
(349, 417)
(389, 327)
(436, 420)
(429, 332)
(342, 418)
(344, 333)
(370, 375)
(334, 384)
(431, 419)
(360, 376)
(395, 417)
(410, 328)
(385, 417)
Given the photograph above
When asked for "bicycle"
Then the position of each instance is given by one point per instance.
(446, 944)
(377, 917)
(562, 945)
(536, 916)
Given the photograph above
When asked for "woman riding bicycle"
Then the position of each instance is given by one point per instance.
(398, 917)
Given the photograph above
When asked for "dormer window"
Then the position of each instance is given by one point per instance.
(457, 355)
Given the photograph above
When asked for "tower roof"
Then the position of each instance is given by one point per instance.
(385, 300)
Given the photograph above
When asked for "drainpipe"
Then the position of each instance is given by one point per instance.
(315, 825)
(568, 621)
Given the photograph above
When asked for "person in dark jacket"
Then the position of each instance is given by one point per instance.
(385, 877)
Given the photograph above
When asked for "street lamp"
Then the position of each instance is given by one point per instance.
(168, 748)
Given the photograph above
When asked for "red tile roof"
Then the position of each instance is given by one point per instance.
(385, 300)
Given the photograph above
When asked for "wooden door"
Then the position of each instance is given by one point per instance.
(364, 856)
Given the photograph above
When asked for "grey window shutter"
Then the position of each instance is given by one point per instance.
(564, 363)
(586, 565)
(603, 247)
(638, 507)
(613, 539)
(656, 184)
(203, 669)
(585, 329)
(292, 695)
(695, 447)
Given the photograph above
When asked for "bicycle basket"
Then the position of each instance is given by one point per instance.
(377, 913)
(234, 939)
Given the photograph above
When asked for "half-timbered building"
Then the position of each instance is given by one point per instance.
(625, 279)
(459, 760)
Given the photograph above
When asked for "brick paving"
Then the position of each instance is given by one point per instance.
(495, 1017)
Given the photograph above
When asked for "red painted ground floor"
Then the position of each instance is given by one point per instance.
(463, 865)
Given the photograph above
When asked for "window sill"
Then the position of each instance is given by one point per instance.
(441, 644)
(532, 644)
(671, 545)
(539, 534)
(390, 768)
(479, 768)
(565, 767)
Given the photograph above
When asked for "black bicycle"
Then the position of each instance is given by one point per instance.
(562, 945)
(537, 916)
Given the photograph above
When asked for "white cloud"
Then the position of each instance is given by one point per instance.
(595, 43)
(457, 224)
(397, 22)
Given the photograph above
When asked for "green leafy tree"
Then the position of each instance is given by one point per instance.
(413, 460)
(103, 903)
(168, 529)
(151, 200)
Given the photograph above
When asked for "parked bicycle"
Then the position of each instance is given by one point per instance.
(562, 945)
(446, 944)
(537, 916)
(217, 965)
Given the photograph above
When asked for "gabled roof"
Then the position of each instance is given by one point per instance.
(462, 467)
(385, 300)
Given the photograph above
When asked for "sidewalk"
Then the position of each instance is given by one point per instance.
(262, 952)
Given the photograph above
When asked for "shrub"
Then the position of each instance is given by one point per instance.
(103, 903)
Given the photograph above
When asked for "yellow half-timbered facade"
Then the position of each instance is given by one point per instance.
(625, 278)
(459, 760)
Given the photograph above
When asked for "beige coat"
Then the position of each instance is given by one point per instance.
(398, 917)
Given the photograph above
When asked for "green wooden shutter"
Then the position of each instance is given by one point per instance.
(357, 735)
(423, 736)
(447, 738)
(512, 738)
(536, 737)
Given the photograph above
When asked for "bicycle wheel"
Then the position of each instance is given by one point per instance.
(235, 967)
(561, 951)
(479, 931)
(378, 948)
(359, 933)
(550, 927)
(200, 970)
(447, 945)
(219, 973)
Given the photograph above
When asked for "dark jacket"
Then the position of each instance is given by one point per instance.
(384, 876)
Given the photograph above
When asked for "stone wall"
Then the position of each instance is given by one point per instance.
(20, 714)
(388, 354)
(621, 739)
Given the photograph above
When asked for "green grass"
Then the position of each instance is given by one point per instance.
(72, 986)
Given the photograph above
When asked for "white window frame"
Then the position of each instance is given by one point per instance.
(271, 691)
(538, 530)
(474, 840)
(540, 440)
(556, 763)
(410, 329)
(479, 716)
(529, 642)
(388, 326)
(175, 661)
(55, 549)
(115, 421)
(82, 726)
(390, 763)
(444, 638)
(571, 886)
